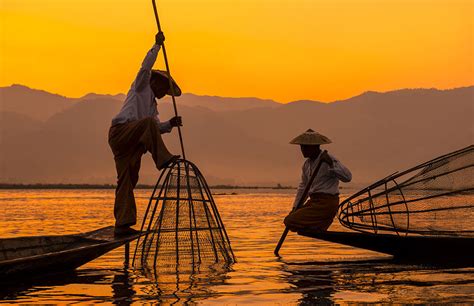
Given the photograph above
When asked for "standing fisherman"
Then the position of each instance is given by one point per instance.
(319, 211)
(137, 129)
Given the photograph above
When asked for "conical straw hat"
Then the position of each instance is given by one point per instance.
(310, 137)
(164, 78)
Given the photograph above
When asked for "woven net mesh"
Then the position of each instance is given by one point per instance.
(184, 231)
(434, 198)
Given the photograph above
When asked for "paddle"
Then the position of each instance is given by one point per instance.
(300, 203)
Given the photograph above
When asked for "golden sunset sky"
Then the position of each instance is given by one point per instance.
(279, 49)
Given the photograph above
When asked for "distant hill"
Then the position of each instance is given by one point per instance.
(91, 96)
(221, 104)
(37, 104)
(233, 140)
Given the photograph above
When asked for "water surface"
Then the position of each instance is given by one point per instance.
(308, 271)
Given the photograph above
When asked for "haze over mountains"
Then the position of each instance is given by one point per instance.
(47, 138)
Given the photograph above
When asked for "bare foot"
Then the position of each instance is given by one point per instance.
(170, 162)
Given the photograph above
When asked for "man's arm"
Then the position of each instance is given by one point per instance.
(144, 75)
(164, 127)
(167, 126)
(340, 171)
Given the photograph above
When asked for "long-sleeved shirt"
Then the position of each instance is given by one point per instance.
(327, 179)
(140, 102)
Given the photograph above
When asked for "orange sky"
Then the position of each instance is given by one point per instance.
(279, 49)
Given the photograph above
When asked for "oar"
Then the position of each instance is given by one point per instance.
(300, 203)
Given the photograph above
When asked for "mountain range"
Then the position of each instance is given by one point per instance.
(49, 138)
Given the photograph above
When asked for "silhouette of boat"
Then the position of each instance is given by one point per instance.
(25, 257)
(422, 249)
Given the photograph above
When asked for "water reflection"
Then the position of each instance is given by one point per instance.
(122, 288)
(34, 286)
(379, 281)
(182, 287)
(317, 285)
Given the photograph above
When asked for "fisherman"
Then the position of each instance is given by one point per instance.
(319, 211)
(137, 129)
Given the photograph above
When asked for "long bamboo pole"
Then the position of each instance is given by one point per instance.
(170, 80)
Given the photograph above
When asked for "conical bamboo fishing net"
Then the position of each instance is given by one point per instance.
(435, 198)
(183, 227)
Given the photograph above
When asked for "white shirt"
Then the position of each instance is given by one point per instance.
(140, 102)
(327, 179)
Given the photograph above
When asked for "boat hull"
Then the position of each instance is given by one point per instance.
(26, 257)
(420, 249)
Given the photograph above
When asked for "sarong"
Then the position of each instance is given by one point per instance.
(317, 213)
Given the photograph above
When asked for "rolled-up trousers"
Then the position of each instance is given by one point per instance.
(317, 213)
(129, 141)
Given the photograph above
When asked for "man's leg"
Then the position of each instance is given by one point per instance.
(151, 138)
(128, 142)
(135, 166)
(296, 219)
(317, 214)
(124, 139)
(125, 210)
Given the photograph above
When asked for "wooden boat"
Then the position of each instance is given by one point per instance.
(422, 214)
(414, 248)
(23, 257)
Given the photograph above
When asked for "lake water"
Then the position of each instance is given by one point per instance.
(309, 271)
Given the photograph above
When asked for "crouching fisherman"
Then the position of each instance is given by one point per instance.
(319, 211)
(135, 130)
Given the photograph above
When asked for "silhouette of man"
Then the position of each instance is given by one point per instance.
(137, 129)
(319, 211)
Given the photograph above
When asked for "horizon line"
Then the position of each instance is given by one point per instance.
(240, 97)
